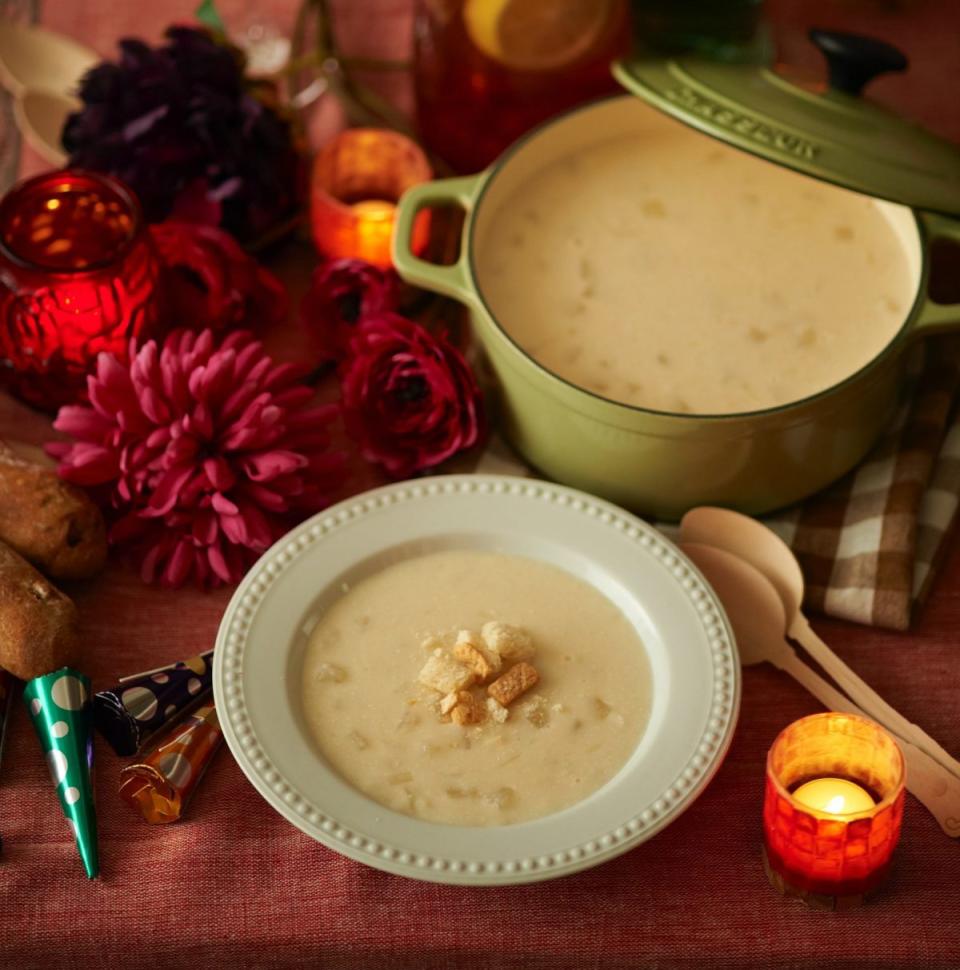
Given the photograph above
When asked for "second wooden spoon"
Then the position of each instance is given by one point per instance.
(757, 617)
(763, 549)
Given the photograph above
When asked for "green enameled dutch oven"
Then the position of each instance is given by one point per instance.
(662, 463)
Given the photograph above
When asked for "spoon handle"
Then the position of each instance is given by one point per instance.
(929, 782)
(867, 697)
(936, 788)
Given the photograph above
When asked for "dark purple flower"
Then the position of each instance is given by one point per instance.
(179, 124)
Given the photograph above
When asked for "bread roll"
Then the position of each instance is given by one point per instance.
(48, 521)
(38, 624)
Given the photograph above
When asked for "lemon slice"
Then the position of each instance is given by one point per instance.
(536, 35)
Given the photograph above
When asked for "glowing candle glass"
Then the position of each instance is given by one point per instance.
(357, 180)
(832, 808)
(78, 275)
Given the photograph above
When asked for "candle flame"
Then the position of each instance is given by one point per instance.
(835, 796)
(836, 805)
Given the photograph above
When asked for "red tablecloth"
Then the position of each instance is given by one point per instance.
(234, 885)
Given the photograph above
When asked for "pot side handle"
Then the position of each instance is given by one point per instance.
(935, 317)
(453, 280)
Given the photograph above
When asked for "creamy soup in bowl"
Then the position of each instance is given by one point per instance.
(594, 617)
(666, 270)
(413, 688)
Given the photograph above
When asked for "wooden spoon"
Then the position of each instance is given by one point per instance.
(763, 549)
(758, 620)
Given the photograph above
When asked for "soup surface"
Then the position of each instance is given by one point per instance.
(383, 732)
(669, 271)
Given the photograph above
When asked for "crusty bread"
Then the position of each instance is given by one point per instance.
(50, 522)
(38, 624)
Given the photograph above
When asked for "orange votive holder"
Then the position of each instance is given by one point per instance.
(357, 180)
(815, 846)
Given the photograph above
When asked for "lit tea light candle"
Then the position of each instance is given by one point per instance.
(357, 180)
(375, 220)
(833, 807)
(375, 210)
(835, 796)
(78, 276)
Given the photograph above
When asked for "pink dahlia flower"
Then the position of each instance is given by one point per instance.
(202, 453)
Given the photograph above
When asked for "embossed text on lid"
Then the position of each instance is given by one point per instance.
(827, 133)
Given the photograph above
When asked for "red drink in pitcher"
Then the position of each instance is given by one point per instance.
(486, 71)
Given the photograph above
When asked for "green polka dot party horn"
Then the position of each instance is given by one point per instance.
(59, 706)
(142, 705)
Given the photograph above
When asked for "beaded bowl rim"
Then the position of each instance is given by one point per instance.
(690, 778)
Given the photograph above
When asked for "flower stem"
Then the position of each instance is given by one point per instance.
(276, 232)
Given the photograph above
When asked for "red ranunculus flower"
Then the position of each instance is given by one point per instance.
(211, 282)
(409, 399)
(342, 293)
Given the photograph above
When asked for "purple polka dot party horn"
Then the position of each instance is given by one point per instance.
(160, 786)
(59, 706)
(129, 714)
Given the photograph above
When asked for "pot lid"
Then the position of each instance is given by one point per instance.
(830, 132)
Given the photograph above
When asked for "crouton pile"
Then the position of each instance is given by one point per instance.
(495, 660)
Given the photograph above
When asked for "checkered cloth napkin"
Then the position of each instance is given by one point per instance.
(869, 545)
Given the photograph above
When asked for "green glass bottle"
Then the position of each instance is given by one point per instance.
(725, 30)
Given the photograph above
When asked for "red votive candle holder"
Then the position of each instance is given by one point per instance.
(357, 179)
(832, 809)
(78, 275)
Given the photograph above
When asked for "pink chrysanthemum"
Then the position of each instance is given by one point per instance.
(201, 453)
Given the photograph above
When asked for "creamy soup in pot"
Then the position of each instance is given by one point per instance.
(669, 271)
(384, 659)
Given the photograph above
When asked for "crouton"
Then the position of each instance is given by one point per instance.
(507, 642)
(470, 650)
(467, 710)
(444, 674)
(496, 710)
(516, 681)
(449, 702)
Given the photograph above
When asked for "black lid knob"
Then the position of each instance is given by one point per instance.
(854, 60)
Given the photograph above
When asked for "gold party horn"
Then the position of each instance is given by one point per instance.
(160, 786)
